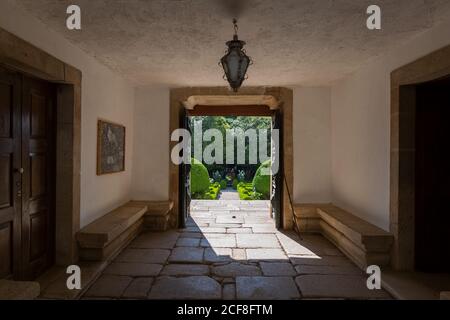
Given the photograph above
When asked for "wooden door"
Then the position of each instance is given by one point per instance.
(38, 179)
(276, 198)
(185, 177)
(10, 179)
(27, 176)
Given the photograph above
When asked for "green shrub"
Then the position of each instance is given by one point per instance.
(261, 183)
(223, 184)
(235, 183)
(199, 177)
(245, 191)
(213, 192)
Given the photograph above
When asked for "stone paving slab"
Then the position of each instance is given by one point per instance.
(239, 230)
(229, 291)
(138, 289)
(224, 225)
(197, 287)
(239, 254)
(206, 221)
(109, 286)
(257, 220)
(292, 245)
(213, 230)
(188, 242)
(278, 269)
(220, 240)
(133, 269)
(336, 270)
(143, 255)
(266, 288)
(190, 229)
(332, 286)
(308, 245)
(191, 235)
(266, 254)
(263, 228)
(236, 269)
(320, 260)
(157, 240)
(233, 219)
(213, 255)
(257, 241)
(185, 270)
(186, 255)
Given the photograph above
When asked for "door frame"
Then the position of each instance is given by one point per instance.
(248, 98)
(433, 66)
(21, 56)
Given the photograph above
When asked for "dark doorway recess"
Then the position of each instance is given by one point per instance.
(27, 175)
(432, 176)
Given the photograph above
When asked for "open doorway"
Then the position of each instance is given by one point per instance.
(235, 167)
(432, 176)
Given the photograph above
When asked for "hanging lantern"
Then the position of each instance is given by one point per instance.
(235, 62)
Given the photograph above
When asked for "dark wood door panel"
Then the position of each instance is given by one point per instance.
(6, 96)
(6, 250)
(6, 185)
(10, 180)
(38, 112)
(38, 126)
(38, 175)
(38, 234)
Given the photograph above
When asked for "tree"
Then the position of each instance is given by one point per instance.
(223, 124)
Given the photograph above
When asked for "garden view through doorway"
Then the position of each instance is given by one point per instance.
(239, 176)
(228, 177)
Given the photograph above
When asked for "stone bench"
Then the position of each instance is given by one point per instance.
(364, 243)
(157, 216)
(107, 235)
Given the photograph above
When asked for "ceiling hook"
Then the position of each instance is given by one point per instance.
(236, 28)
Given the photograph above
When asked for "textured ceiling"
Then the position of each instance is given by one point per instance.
(292, 42)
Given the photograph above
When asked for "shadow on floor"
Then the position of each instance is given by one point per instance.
(231, 250)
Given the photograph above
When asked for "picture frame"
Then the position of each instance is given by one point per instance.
(111, 147)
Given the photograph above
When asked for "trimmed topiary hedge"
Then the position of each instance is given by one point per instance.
(223, 184)
(235, 183)
(199, 177)
(261, 183)
(245, 190)
(213, 192)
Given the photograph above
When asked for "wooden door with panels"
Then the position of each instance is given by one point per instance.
(10, 180)
(27, 176)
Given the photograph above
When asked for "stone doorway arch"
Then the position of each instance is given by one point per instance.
(249, 98)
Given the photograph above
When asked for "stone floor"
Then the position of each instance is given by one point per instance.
(231, 250)
(229, 194)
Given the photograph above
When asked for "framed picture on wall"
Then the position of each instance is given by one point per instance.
(110, 147)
